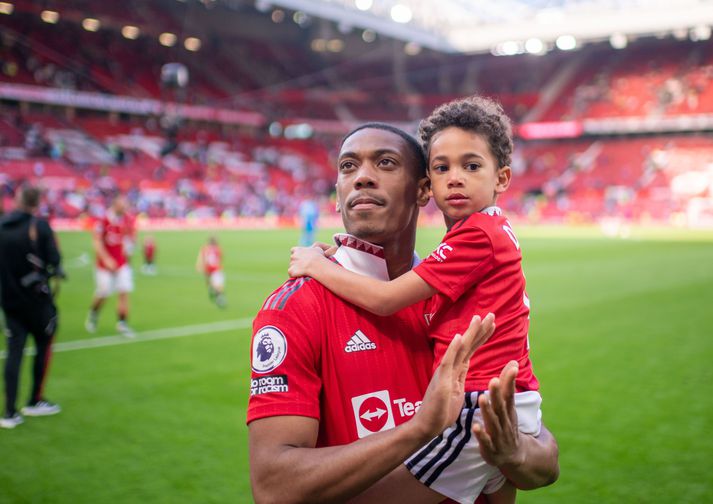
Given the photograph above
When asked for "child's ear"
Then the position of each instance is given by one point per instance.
(504, 177)
(424, 191)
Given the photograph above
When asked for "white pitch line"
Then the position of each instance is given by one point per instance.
(156, 334)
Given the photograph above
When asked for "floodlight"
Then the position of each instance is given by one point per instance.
(49, 16)
(401, 13)
(130, 32)
(167, 39)
(192, 44)
(91, 24)
(566, 43)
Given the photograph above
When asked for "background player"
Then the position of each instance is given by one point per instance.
(149, 253)
(476, 269)
(309, 215)
(210, 263)
(113, 272)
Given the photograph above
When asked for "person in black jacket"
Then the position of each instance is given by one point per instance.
(28, 259)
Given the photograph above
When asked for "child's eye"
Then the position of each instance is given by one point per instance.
(440, 169)
(472, 167)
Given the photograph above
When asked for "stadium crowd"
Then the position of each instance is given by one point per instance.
(181, 168)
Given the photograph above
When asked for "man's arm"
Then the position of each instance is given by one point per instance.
(101, 251)
(376, 296)
(48, 246)
(528, 462)
(285, 466)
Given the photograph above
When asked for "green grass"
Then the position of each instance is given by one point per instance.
(621, 341)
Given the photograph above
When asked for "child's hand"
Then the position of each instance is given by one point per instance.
(303, 260)
(329, 250)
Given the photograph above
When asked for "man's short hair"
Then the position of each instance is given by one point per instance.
(477, 114)
(412, 144)
(30, 196)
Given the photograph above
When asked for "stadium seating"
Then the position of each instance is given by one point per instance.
(214, 169)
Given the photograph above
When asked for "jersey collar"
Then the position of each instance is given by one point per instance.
(492, 210)
(362, 257)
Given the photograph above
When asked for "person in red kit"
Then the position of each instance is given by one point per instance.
(476, 269)
(149, 252)
(340, 397)
(113, 273)
(210, 263)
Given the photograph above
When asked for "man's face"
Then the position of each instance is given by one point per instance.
(119, 205)
(377, 192)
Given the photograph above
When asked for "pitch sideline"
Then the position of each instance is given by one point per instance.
(153, 335)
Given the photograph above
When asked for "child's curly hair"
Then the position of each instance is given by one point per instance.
(477, 114)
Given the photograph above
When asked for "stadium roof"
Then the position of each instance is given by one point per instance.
(505, 26)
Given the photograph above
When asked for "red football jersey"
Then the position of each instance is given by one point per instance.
(212, 258)
(316, 355)
(113, 230)
(149, 250)
(477, 269)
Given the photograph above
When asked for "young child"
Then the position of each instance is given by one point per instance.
(475, 270)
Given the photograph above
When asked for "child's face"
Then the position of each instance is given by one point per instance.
(464, 173)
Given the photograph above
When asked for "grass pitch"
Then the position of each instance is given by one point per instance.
(621, 341)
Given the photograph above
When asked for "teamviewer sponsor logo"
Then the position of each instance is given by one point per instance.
(359, 343)
(271, 383)
(372, 413)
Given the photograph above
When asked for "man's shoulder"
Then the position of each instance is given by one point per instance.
(14, 218)
(43, 225)
(293, 295)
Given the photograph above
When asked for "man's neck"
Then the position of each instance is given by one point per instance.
(27, 210)
(399, 255)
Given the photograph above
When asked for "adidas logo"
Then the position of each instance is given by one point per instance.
(359, 343)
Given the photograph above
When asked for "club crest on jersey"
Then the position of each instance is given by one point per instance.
(269, 349)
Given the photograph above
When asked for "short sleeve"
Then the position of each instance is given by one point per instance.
(285, 364)
(463, 258)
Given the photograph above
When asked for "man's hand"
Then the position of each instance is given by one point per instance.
(528, 462)
(443, 400)
(498, 436)
(303, 260)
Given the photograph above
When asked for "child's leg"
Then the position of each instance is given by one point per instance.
(505, 495)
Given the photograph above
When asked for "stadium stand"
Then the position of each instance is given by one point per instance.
(178, 168)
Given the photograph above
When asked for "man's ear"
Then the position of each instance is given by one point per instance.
(504, 177)
(424, 191)
(337, 206)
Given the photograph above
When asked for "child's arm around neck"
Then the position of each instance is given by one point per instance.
(376, 296)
